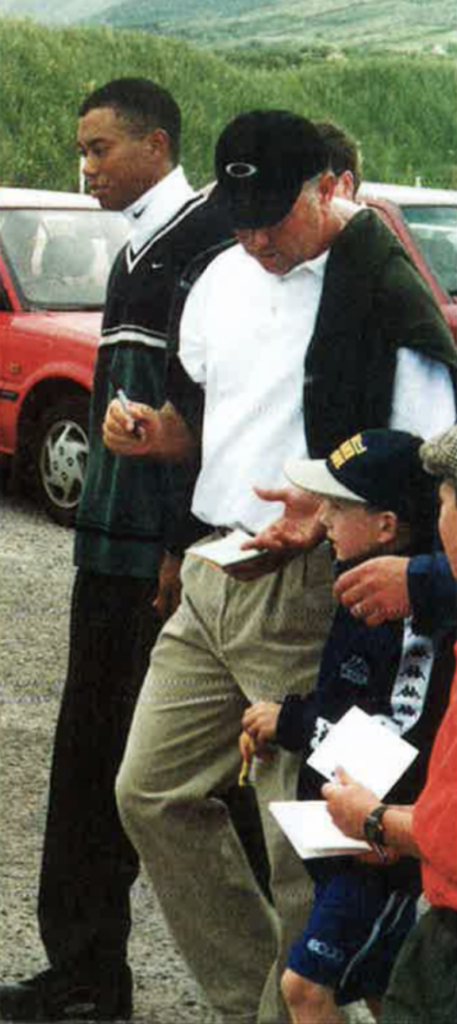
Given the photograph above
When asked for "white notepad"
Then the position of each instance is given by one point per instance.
(225, 551)
(310, 829)
(370, 752)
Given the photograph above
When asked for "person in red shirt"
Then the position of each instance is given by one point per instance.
(423, 985)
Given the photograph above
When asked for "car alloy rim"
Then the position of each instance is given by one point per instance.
(63, 461)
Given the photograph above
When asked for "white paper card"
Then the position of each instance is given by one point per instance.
(226, 550)
(309, 827)
(369, 751)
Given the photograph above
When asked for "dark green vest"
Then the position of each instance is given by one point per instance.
(374, 301)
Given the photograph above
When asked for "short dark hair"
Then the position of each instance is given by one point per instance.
(142, 104)
(343, 151)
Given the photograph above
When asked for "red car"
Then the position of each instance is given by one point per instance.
(56, 249)
(55, 252)
(425, 220)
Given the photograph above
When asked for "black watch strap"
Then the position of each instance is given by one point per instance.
(372, 826)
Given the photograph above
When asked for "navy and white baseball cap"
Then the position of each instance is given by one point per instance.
(263, 158)
(381, 468)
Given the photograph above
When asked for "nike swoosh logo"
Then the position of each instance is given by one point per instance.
(138, 213)
(157, 266)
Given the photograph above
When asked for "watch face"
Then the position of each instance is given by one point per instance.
(371, 829)
(373, 825)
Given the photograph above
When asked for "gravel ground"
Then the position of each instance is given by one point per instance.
(36, 570)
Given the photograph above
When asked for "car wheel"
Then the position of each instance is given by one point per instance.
(60, 457)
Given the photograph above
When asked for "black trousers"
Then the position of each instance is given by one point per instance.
(89, 865)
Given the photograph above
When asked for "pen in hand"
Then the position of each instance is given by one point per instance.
(122, 398)
(247, 751)
(243, 777)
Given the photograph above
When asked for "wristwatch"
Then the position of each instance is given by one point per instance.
(372, 826)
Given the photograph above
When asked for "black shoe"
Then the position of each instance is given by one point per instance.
(57, 995)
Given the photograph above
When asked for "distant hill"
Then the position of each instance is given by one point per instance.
(57, 11)
(394, 24)
(341, 23)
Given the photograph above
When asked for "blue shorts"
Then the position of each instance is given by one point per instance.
(353, 935)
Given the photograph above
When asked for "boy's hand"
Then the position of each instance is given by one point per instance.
(246, 747)
(250, 748)
(259, 724)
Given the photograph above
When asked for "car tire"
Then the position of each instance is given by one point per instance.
(60, 457)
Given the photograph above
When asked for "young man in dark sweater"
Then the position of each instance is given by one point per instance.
(376, 498)
(129, 139)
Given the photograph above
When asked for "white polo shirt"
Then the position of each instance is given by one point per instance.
(244, 337)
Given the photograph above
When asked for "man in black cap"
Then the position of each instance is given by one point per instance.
(291, 341)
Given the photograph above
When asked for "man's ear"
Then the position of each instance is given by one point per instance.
(327, 186)
(158, 142)
(345, 185)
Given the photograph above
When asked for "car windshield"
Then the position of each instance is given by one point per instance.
(435, 231)
(60, 258)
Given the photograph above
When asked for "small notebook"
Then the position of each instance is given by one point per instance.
(225, 551)
(372, 753)
(309, 827)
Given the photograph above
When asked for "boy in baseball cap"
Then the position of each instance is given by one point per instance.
(375, 479)
(376, 498)
(423, 985)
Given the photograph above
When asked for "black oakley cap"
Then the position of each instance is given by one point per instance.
(262, 160)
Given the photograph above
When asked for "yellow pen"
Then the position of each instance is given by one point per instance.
(243, 777)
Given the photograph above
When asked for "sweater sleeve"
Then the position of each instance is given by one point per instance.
(433, 593)
(423, 397)
(358, 666)
(296, 721)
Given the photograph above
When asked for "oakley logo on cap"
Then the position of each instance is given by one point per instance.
(241, 170)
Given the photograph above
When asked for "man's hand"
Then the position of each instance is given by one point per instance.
(132, 432)
(259, 724)
(298, 528)
(376, 591)
(169, 589)
(162, 434)
(349, 803)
